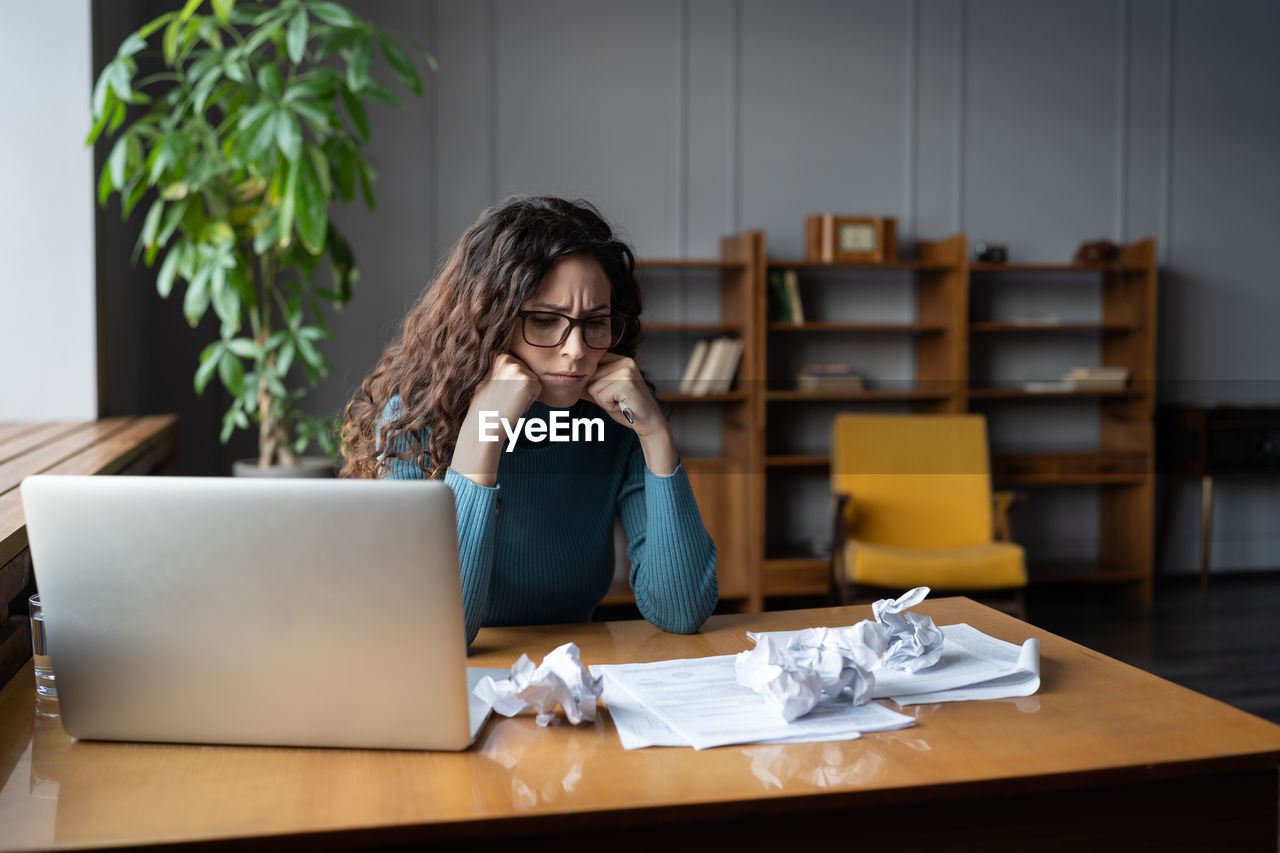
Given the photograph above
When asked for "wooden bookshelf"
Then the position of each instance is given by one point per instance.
(721, 483)
(737, 486)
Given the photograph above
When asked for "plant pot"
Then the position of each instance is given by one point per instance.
(308, 466)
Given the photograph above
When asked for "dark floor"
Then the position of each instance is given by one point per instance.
(1226, 645)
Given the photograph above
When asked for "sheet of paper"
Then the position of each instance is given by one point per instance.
(1020, 665)
(700, 700)
(973, 666)
(639, 728)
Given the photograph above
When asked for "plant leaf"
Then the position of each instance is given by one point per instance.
(116, 161)
(226, 300)
(171, 221)
(366, 182)
(133, 193)
(270, 81)
(288, 134)
(380, 93)
(200, 95)
(168, 269)
(361, 63)
(264, 137)
(296, 36)
(223, 9)
(228, 426)
(335, 15)
(317, 85)
(189, 9)
(208, 365)
(231, 372)
(171, 42)
(196, 300)
(355, 109)
(150, 226)
(401, 64)
(133, 43)
(285, 360)
(313, 201)
(104, 186)
(155, 24)
(288, 204)
(244, 347)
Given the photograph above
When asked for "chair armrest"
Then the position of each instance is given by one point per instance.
(838, 590)
(1001, 503)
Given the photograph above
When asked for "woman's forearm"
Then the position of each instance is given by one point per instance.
(474, 459)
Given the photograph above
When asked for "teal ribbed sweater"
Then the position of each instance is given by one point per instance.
(537, 548)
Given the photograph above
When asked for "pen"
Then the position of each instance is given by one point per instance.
(626, 413)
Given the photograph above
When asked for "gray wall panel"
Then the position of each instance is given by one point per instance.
(464, 167)
(588, 105)
(1039, 125)
(710, 129)
(824, 100)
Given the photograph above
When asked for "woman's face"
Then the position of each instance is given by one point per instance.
(576, 287)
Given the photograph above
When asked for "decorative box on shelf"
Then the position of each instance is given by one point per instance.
(831, 238)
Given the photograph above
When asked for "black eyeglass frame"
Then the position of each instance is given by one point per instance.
(616, 321)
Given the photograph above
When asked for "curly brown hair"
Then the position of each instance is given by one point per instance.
(463, 320)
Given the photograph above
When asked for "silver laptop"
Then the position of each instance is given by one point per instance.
(251, 611)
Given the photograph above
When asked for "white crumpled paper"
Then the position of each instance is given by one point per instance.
(560, 679)
(793, 673)
(914, 641)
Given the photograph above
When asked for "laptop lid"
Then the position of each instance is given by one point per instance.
(252, 611)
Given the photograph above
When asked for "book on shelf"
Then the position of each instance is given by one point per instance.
(689, 381)
(830, 376)
(1098, 378)
(711, 367)
(793, 296)
(784, 297)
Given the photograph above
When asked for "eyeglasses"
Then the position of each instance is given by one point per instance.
(549, 329)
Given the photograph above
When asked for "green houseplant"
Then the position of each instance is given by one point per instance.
(238, 134)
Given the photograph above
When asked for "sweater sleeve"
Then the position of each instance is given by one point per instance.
(477, 515)
(673, 560)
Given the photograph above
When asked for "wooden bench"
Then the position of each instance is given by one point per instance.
(145, 444)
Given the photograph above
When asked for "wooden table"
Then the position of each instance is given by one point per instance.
(1104, 755)
(127, 445)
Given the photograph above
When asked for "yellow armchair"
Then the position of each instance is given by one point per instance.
(914, 507)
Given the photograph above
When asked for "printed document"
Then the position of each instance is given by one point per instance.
(698, 702)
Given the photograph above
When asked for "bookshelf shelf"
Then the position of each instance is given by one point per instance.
(699, 328)
(870, 328)
(1022, 394)
(694, 264)
(792, 396)
(914, 266)
(727, 397)
(1001, 326)
(800, 461)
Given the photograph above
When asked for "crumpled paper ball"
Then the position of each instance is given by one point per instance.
(914, 641)
(793, 675)
(788, 686)
(560, 679)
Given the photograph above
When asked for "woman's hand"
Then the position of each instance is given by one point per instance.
(509, 391)
(617, 383)
(618, 388)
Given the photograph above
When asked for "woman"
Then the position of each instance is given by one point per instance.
(535, 314)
